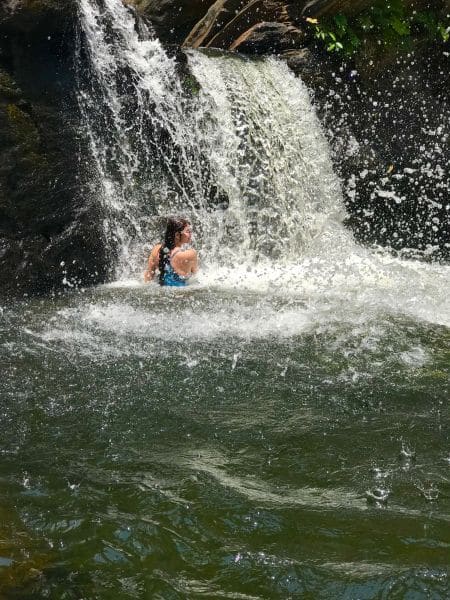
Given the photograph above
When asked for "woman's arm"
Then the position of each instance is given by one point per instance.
(153, 263)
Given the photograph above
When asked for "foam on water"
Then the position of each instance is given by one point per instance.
(333, 287)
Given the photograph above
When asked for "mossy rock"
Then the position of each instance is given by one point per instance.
(21, 126)
(9, 91)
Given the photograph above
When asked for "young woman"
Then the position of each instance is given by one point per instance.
(175, 260)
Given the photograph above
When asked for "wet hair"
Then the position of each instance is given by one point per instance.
(174, 225)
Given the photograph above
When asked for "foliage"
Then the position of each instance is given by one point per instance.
(387, 22)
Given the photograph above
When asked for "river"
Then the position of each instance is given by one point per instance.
(277, 429)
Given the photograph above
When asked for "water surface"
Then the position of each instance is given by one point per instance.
(229, 441)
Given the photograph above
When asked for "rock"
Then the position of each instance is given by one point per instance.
(306, 65)
(37, 15)
(172, 20)
(268, 38)
(47, 215)
(319, 8)
(228, 20)
(373, 115)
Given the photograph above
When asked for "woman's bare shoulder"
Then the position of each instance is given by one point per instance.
(183, 257)
(186, 253)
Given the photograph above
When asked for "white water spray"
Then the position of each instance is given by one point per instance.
(236, 146)
(243, 156)
(135, 117)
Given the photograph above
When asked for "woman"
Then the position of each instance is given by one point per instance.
(174, 259)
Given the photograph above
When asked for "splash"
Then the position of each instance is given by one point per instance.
(236, 146)
(243, 154)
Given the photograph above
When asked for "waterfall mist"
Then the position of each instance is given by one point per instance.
(233, 144)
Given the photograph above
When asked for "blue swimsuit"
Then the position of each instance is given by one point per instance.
(171, 277)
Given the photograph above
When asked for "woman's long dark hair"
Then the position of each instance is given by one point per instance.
(174, 225)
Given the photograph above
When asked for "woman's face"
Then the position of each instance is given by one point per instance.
(186, 235)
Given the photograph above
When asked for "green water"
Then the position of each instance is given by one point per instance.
(164, 445)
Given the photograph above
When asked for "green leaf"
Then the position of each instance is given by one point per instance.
(445, 32)
(400, 26)
(354, 39)
(427, 19)
(341, 22)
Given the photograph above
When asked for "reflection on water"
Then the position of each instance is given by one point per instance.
(219, 441)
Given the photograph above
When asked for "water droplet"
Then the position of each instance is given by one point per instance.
(378, 496)
(407, 453)
(429, 491)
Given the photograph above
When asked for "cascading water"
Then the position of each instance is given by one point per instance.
(267, 154)
(235, 145)
(137, 123)
(244, 156)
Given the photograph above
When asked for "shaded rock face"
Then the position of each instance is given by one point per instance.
(389, 131)
(319, 8)
(172, 20)
(48, 225)
(34, 16)
(276, 36)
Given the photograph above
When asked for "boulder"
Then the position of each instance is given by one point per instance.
(47, 212)
(305, 64)
(229, 23)
(386, 121)
(268, 38)
(172, 20)
(37, 15)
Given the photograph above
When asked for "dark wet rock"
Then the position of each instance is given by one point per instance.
(386, 121)
(305, 64)
(47, 216)
(37, 15)
(264, 38)
(319, 8)
(172, 20)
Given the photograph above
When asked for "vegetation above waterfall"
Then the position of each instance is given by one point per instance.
(384, 24)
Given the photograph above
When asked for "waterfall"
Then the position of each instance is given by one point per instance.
(233, 144)
(268, 155)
